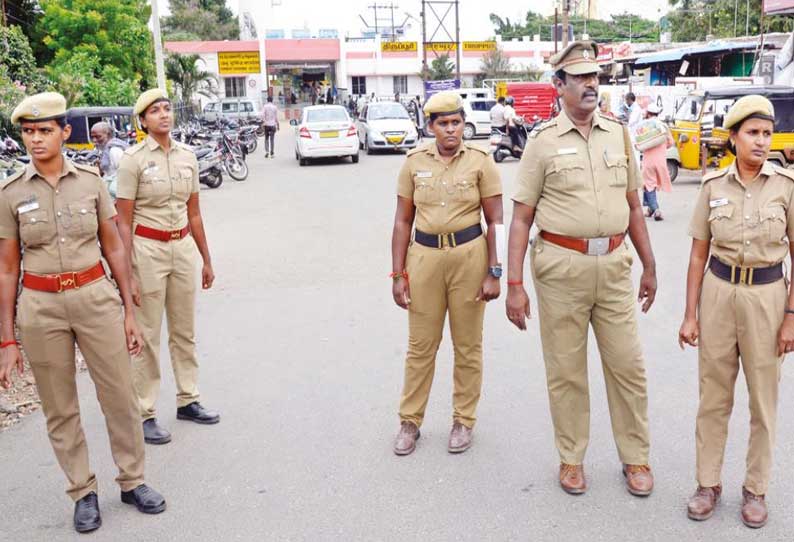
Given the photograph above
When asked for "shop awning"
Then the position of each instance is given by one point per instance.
(676, 55)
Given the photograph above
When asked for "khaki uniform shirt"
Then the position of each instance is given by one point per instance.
(160, 183)
(746, 224)
(447, 196)
(578, 186)
(58, 227)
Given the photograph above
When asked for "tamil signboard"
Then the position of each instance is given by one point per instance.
(432, 87)
(442, 46)
(778, 7)
(468, 46)
(398, 46)
(238, 63)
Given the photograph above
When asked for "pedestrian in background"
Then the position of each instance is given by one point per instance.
(449, 267)
(578, 179)
(161, 225)
(62, 215)
(110, 147)
(270, 120)
(742, 310)
(655, 175)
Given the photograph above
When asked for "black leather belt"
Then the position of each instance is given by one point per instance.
(452, 239)
(746, 275)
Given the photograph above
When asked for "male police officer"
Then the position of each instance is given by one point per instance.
(62, 215)
(578, 178)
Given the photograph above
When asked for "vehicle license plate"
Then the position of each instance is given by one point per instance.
(395, 140)
(333, 133)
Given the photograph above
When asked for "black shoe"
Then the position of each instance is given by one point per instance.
(145, 499)
(86, 514)
(153, 433)
(194, 412)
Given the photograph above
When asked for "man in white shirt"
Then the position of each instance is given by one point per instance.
(510, 119)
(634, 116)
(270, 120)
(497, 112)
(112, 149)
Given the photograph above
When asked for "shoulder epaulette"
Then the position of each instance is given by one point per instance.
(17, 175)
(89, 169)
(418, 149)
(714, 175)
(135, 148)
(544, 126)
(610, 119)
(788, 173)
(476, 148)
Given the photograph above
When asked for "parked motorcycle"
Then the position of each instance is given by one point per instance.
(502, 145)
(209, 166)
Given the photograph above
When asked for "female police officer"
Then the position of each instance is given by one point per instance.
(444, 185)
(62, 214)
(740, 309)
(158, 204)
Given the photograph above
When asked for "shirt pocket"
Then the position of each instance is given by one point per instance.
(183, 182)
(424, 191)
(84, 217)
(36, 228)
(153, 183)
(617, 169)
(466, 191)
(566, 171)
(773, 222)
(721, 223)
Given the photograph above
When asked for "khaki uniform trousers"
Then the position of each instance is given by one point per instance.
(49, 325)
(442, 280)
(576, 290)
(167, 276)
(738, 321)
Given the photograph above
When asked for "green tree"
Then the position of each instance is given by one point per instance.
(694, 20)
(17, 57)
(11, 93)
(187, 77)
(112, 32)
(200, 20)
(83, 80)
(494, 65)
(440, 68)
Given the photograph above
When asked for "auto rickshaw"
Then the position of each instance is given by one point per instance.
(700, 140)
(83, 118)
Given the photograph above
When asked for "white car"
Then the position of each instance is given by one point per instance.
(478, 116)
(325, 131)
(386, 126)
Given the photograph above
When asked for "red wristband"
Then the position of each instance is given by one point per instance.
(399, 274)
(515, 282)
(6, 344)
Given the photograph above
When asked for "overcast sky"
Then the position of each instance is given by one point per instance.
(475, 24)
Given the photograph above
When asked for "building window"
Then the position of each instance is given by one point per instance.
(401, 84)
(359, 85)
(235, 87)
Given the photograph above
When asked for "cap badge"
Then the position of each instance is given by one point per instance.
(35, 111)
(586, 55)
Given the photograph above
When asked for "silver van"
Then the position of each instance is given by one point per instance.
(232, 108)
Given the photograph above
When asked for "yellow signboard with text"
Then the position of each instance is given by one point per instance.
(398, 46)
(442, 46)
(479, 46)
(236, 63)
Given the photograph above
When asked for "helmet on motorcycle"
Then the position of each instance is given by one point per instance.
(510, 100)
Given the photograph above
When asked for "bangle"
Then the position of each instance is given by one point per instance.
(398, 275)
(515, 282)
(6, 344)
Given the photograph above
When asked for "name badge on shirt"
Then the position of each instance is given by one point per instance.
(563, 152)
(718, 202)
(424, 174)
(28, 207)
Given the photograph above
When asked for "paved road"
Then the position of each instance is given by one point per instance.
(302, 351)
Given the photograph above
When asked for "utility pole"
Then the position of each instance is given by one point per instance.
(566, 6)
(3, 9)
(457, 42)
(424, 40)
(554, 32)
(747, 21)
(158, 46)
(735, 16)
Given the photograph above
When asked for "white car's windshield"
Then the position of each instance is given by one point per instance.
(335, 114)
(387, 111)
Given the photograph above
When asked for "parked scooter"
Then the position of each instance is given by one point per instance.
(502, 145)
(210, 166)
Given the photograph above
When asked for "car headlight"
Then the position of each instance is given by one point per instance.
(374, 134)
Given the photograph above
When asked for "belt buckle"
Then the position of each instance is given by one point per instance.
(175, 235)
(598, 246)
(71, 281)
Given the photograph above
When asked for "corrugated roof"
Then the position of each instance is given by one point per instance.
(674, 55)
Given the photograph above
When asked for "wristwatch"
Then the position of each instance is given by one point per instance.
(495, 271)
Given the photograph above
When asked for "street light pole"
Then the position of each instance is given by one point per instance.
(158, 46)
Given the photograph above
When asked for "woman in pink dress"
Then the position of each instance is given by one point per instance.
(655, 175)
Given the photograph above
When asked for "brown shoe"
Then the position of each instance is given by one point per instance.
(639, 479)
(459, 438)
(754, 512)
(405, 443)
(572, 479)
(702, 504)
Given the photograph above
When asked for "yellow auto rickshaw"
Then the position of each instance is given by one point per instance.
(700, 140)
(83, 118)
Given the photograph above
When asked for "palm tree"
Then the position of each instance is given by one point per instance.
(188, 78)
(441, 68)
